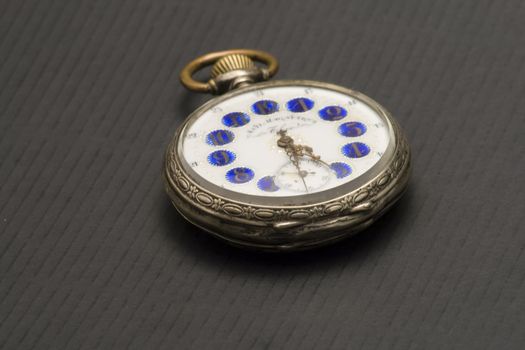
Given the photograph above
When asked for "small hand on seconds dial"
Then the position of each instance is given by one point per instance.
(294, 152)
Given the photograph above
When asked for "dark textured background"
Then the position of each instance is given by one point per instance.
(93, 256)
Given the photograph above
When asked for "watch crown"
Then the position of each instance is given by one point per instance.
(231, 63)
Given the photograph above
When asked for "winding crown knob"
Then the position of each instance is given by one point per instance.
(231, 63)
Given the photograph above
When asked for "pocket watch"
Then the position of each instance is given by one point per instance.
(285, 164)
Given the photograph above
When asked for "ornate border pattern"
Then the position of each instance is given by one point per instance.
(188, 190)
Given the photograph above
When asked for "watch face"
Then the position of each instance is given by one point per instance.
(285, 140)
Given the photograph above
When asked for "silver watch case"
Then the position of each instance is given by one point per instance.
(289, 223)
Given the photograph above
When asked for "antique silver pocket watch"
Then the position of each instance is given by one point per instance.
(282, 165)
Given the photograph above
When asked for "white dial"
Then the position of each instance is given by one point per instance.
(331, 139)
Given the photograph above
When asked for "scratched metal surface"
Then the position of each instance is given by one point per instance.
(93, 256)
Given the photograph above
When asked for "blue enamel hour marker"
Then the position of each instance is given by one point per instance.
(300, 104)
(355, 150)
(352, 129)
(235, 119)
(267, 184)
(221, 158)
(239, 175)
(332, 113)
(219, 137)
(341, 169)
(264, 107)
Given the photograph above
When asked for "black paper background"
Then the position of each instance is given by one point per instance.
(92, 256)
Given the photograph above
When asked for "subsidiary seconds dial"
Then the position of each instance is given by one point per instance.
(311, 176)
